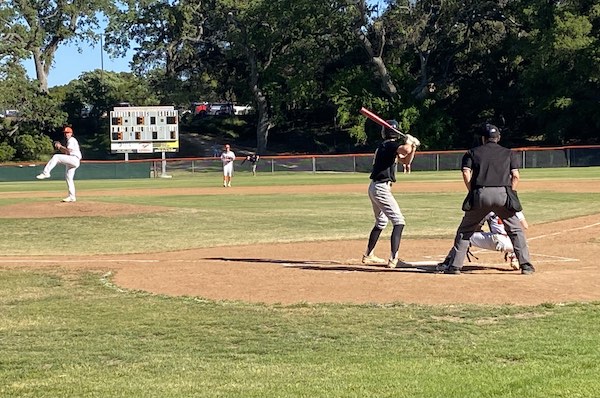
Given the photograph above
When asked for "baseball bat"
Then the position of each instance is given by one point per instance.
(374, 117)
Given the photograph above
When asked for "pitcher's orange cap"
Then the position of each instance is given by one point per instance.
(68, 130)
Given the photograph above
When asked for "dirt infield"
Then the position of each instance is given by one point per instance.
(565, 254)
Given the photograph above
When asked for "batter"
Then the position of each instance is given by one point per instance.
(385, 206)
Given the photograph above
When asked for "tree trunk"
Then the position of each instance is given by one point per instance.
(263, 127)
(262, 106)
(376, 56)
(40, 71)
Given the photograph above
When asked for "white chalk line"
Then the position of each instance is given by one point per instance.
(551, 258)
(40, 261)
(565, 231)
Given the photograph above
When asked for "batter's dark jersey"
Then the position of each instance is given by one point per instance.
(384, 164)
(491, 165)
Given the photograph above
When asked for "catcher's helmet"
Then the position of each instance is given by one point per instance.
(387, 133)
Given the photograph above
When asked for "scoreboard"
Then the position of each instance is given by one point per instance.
(144, 129)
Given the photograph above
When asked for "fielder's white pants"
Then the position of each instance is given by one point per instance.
(71, 164)
(228, 169)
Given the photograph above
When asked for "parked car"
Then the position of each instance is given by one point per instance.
(199, 108)
(243, 109)
(223, 108)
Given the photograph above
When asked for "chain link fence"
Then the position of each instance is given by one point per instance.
(361, 163)
(573, 156)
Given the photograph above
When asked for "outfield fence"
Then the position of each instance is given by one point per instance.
(572, 156)
(567, 156)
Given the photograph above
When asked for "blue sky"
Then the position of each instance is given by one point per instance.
(69, 63)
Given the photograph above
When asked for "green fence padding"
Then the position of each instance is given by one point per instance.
(87, 171)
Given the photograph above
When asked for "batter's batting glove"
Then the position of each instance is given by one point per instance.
(412, 140)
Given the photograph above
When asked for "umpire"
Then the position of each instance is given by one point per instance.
(491, 175)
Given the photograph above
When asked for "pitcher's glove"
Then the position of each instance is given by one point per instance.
(57, 144)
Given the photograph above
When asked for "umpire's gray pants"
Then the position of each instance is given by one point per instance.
(488, 199)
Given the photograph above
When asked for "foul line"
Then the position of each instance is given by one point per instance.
(566, 230)
(30, 260)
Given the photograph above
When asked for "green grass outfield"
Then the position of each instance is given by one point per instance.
(74, 334)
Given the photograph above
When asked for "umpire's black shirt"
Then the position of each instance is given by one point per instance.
(491, 165)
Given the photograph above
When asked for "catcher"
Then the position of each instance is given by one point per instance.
(497, 239)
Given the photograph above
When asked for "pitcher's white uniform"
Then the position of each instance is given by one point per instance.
(70, 157)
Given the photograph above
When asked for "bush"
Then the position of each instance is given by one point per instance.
(33, 147)
(7, 152)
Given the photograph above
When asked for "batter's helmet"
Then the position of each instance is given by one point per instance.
(387, 133)
(490, 131)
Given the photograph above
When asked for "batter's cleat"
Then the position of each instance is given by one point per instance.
(394, 262)
(372, 260)
(527, 269)
(69, 199)
(42, 176)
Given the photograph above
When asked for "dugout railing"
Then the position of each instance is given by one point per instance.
(567, 156)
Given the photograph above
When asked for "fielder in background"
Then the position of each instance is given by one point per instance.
(497, 239)
(407, 160)
(491, 174)
(70, 156)
(253, 159)
(227, 157)
(385, 206)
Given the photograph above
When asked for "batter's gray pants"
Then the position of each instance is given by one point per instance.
(385, 206)
(488, 199)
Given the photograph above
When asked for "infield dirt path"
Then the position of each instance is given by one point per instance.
(565, 254)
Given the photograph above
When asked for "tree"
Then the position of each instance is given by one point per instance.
(286, 46)
(372, 37)
(167, 33)
(560, 77)
(100, 91)
(25, 135)
(39, 27)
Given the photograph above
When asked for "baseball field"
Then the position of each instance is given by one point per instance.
(183, 288)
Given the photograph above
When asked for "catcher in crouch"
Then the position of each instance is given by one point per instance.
(497, 239)
(385, 206)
